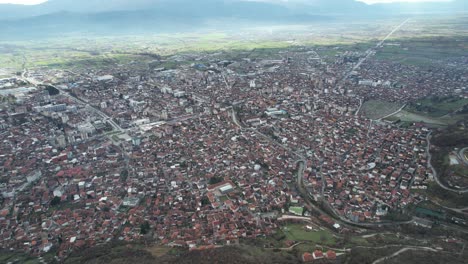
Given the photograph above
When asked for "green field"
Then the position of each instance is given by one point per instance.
(297, 232)
(460, 170)
(438, 106)
(223, 198)
(446, 198)
(296, 210)
(420, 43)
(441, 114)
(406, 116)
(23, 258)
(423, 51)
(375, 109)
(96, 52)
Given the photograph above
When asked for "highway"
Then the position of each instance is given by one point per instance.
(369, 52)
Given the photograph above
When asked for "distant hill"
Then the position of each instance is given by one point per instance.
(160, 16)
(221, 7)
(57, 17)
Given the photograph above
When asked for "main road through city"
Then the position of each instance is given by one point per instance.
(370, 51)
(76, 100)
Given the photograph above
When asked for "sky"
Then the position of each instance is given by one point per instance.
(402, 1)
(35, 2)
(23, 2)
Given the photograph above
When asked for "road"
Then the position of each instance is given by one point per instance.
(65, 93)
(294, 217)
(77, 101)
(237, 123)
(394, 113)
(462, 156)
(393, 31)
(434, 172)
(105, 117)
(288, 248)
(370, 51)
(361, 102)
(402, 251)
(463, 210)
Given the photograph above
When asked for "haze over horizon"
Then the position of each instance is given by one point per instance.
(37, 2)
(55, 17)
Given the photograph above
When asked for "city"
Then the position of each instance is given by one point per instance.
(218, 150)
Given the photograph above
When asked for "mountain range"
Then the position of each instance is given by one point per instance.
(123, 16)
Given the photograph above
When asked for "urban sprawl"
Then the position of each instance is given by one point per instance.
(210, 152)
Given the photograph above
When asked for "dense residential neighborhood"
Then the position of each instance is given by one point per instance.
(210, 152)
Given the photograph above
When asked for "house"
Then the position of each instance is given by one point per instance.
(307, 257)
(330, 254)
(318, 254)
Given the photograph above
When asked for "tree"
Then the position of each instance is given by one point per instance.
(52, 90)
(55, 201)
(205, 201)
(144, 228)
(124, 175)
(347, 238)
(215, 180)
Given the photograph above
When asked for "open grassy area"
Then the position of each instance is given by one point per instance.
(223, 198)
(438, 106)
(297, 232)
(296, 210)
(406, 116)
(426, 257)
(445, 142)
(460, 170)
(23, 258)
(122, 253)
(95, 52)
(421, 42)
(423, 51)
(375, 109)
(446, 198)
(158, 251)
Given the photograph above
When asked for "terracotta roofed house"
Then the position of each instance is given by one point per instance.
(307, 257)
(318, 254)
(331, 254)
